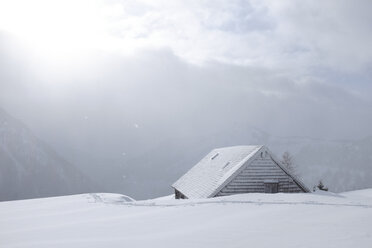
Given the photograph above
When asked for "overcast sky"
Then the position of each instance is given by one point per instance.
(171, 67)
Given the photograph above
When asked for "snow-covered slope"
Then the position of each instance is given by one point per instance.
(250, 220)
(30, 168)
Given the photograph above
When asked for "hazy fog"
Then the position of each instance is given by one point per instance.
(111, 84)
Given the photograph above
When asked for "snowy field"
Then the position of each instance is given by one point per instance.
(249, 220)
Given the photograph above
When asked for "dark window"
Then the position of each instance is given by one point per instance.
(271, 187)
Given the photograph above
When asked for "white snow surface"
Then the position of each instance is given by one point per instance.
(248, 220)
(202, 180)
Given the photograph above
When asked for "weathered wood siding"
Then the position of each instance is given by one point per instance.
(252, 178)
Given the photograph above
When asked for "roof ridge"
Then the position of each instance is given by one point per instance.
(237, 146)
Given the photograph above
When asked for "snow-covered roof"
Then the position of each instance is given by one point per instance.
(207, 176)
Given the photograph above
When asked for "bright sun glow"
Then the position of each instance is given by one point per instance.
(57, 29)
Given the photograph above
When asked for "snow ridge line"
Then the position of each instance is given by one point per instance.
(98, 199)
(245, 202)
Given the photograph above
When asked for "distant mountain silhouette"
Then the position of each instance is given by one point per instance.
(29, 168)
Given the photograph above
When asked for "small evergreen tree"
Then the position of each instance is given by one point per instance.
(321, 186)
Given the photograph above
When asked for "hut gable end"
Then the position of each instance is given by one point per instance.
(257, 176)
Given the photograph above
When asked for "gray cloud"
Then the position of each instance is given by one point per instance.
(157, 90)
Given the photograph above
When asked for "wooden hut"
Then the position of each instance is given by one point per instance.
(237, 170)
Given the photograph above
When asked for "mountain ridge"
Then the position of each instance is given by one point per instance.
(30, 168)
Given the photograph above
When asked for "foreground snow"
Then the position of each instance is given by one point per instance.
(250, 220)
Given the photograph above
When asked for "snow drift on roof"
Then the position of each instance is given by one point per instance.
(213, 170)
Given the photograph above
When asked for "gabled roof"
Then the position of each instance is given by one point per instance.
(218, 168)
(214, 170)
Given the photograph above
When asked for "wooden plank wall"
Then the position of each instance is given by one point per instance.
(251, 179)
